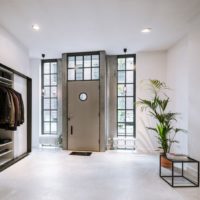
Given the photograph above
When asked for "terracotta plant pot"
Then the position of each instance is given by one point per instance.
(165, 162)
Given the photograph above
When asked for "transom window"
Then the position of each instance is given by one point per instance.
(49, 97)
(83, 67)
(126, 96)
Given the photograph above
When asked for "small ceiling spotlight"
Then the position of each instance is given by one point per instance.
(146, 30)
(125, 50)
(36, 27)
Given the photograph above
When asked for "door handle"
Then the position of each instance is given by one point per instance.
(71, 130)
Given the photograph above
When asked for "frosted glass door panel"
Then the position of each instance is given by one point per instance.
(20, 135)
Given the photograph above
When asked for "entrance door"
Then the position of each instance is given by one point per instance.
(83, 115)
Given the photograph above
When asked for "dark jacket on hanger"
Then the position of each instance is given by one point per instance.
(21, 108)
(11, 108)
(5, 106)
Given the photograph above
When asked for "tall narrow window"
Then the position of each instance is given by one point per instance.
(49, 97)
(126, 96)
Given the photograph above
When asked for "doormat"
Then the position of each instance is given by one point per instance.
(81, 153)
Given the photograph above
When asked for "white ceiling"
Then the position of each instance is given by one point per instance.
(86, 25)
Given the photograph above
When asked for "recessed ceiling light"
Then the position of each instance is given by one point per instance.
(36, 27)
(146, 30)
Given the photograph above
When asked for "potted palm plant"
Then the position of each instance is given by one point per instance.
(157, 107)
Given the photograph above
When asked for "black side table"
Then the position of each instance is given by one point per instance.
(178, 176)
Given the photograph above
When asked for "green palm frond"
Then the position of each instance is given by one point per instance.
(163, 103)
(176, 130)
(157, 84)
(152, 129)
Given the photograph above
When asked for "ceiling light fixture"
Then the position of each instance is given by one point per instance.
(146, 30)
(36, 27)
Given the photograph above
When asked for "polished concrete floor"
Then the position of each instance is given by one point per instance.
(55, 175)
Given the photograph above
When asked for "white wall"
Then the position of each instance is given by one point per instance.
(177, 80)
(149, 65)
(13, 53)
(194, 94)
(183, 74)
(36, 102)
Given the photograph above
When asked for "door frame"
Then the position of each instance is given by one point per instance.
(102, 96)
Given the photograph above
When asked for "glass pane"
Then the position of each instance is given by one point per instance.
(129, 89)
(121, 103)
(46, 68)
(53, 103)
(129, 103)
(87, 61)
(121, 116)
(95, 73)
(121, 77)
(46, 79)
(53, 67)
(121, 63)
(95, 60)
(129, 64)
(121, 128)
(47, 116)
(129, 116)
(87, 74)
(53, 127)
(46, 103)
(53, 79)
(129, 129)
(46, 92)
(79, 74)
(71, 62)
(121, 91)
(54, 116)
(129, 76)
(79, 62)
(71, 74)
(46, 127)
(54, 92)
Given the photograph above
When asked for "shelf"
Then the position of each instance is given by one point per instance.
(7, 152)
(4, 160)
(2, 145)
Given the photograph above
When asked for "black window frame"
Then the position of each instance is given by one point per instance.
(125, 96)
(42, 97)
(83, 54)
